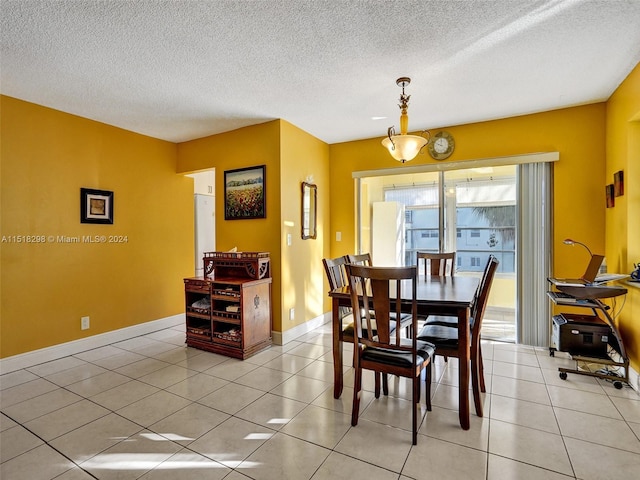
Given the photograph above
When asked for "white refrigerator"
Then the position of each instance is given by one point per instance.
(205, 228)
(387, 234)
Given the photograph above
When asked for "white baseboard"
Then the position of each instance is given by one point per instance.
(634, 379)
(36, 357)
(282, 338)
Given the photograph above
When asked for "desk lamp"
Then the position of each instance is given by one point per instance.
(568, 241)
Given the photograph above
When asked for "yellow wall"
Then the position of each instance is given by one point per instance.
(291, 155)
(577, 133)
(46, 157)
(584, 168)
(244, 147)
(302, 272)
(623, 220)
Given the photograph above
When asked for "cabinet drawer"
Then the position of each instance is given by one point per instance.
(197, 286)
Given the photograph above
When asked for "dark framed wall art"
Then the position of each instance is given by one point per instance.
(244, 193)
(96, 206)
(610, 194)
(618, 183)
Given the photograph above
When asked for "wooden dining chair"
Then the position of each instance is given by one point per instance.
(365, 259)
(437, 263)
(337, 278)
(445, 335)
(383, 352)
(360, 259)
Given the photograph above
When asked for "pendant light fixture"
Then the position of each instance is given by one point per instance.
(404, 147)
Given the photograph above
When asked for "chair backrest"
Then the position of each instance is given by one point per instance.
(334, 268)
(361, 259)
(379, 293)
(437, 263)
(337, 277)
(480, 304)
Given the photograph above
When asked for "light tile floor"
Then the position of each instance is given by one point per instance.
(152, 409)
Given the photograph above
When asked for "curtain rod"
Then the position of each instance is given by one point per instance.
(540, 157)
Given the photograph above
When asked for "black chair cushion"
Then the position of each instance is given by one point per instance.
(401, 358)
(442, 320)
(445, 321)
(439, 334)
(405, 320)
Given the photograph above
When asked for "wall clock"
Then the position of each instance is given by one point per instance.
(441, 145)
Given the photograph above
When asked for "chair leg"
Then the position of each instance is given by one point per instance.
(475, 381)
(385, 384)
(483, 388)
(416, 405)
(357, 386)
(377, 384)
(427, 385)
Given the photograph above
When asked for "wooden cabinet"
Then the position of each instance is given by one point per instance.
(229, 310)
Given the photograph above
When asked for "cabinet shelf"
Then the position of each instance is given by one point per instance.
(205, 335)
(237, 322)
(227, 338)
(197, 313)
(226, 298)
(226, 317)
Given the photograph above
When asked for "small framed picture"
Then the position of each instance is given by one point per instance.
(618, 183)
(96, 206)
(244, 193)
(611, 202)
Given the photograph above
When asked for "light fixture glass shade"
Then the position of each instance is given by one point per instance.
(404, 147)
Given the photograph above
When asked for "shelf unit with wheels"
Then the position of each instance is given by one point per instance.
(591, 338)
(228, 311)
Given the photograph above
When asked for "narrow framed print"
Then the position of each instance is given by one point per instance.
(96, 206)
(610, 194)
(618, 183)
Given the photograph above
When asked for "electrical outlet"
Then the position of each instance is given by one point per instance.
(338, 236)
(292, 314)
(84, 323)
(288, 239)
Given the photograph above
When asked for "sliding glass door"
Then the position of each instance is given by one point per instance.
(480, 220)
(472, 212)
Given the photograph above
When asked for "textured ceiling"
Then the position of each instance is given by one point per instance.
(180, 70)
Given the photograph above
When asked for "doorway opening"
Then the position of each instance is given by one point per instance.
(204, 208)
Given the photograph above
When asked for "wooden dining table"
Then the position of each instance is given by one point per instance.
(436, 295)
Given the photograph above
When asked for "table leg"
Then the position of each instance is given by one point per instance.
(337, 348)
(463, 371)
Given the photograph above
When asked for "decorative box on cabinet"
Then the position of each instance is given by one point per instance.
(229, 310)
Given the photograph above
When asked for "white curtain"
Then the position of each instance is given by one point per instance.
(535, 187)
